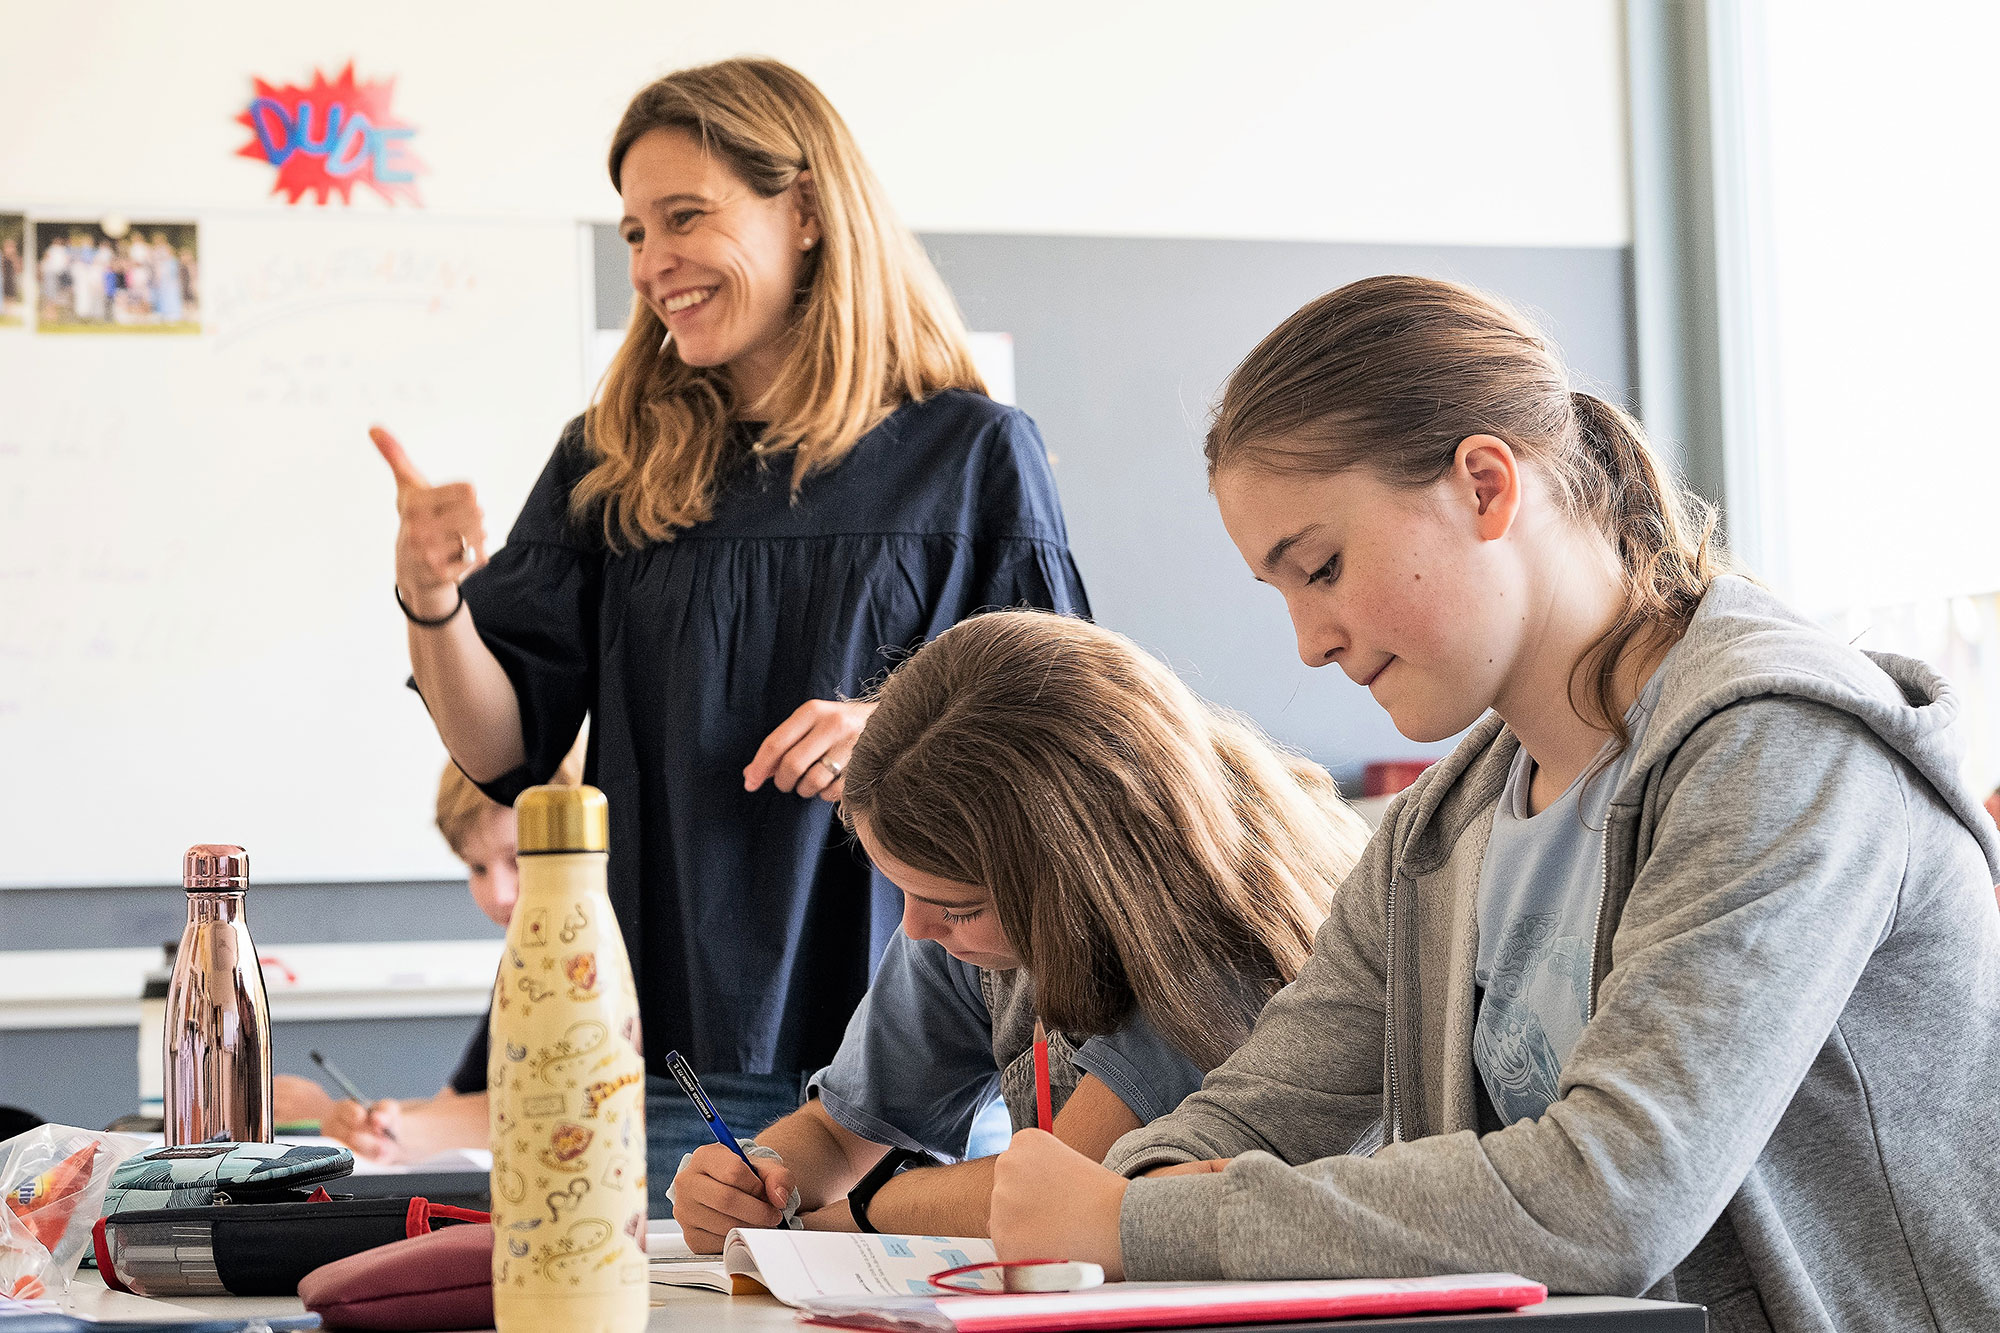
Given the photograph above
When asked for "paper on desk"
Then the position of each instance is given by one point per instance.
(449, 1159)
(90, 1304)
(663, 1237)
(797, 1266)
(670, 1263)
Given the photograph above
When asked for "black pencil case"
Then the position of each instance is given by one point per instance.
(253, 1249)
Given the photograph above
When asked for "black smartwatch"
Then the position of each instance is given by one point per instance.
(893, 1163)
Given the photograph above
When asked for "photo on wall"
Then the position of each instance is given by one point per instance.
(117, 276)
(13, 276)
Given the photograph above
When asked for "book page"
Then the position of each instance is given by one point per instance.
(802, 1265)
(670, 1263)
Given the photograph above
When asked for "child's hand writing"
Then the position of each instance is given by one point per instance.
(1052, 1202)
(366, 1130)
(715, 1191)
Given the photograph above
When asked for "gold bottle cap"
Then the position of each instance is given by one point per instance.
(561, 819)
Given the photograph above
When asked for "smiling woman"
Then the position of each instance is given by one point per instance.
(791, 473)
(768, 262)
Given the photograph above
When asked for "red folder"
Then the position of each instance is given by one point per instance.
(1175, 1304)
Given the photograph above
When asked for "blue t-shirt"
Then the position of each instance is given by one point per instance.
(935, 1039)
(1539, 889)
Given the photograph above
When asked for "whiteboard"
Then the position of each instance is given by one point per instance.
(198, 641)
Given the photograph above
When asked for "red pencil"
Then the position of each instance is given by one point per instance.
(1044, 1112)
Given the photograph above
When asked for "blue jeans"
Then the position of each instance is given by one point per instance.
(747, 1103)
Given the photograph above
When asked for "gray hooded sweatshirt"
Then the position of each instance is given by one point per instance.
(1785, 1104)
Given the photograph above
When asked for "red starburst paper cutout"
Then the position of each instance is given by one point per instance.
(331, 136)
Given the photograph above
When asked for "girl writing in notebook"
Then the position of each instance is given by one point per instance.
(1077, 838)
(1680, 974)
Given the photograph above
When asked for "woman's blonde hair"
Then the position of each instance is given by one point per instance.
(875, 326)
(1143, 849)
(1392, 373)
(460, 805)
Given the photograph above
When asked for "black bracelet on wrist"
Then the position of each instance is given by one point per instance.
(416, 619)
(893, 1162)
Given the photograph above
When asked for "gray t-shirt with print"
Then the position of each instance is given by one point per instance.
(935, 1038)
(1539, 889)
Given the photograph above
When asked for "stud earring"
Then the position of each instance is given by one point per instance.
(806, 242)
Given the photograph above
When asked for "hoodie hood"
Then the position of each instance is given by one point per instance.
(1744, 643)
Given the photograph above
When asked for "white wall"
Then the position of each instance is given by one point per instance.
(1434, 121)
(1447, 122)
(1883, 481)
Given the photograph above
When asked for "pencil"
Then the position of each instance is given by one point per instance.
(1044, 1112)
(347, 1086)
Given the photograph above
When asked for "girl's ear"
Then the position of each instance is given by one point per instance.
(808, 204)
(1488, 473)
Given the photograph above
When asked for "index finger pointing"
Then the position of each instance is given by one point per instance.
(407, 476)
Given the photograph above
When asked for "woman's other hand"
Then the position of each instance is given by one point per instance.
(442, 537)
(1050, 1201)
(809, 749)
(366, 1130)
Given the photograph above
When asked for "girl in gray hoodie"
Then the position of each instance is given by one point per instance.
(1679, 976)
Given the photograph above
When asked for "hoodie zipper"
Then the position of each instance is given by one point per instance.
(1393, 1131)
(1597, 918)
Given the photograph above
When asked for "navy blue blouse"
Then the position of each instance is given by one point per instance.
(752, 923)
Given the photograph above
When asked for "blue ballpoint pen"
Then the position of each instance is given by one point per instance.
(691, 1085)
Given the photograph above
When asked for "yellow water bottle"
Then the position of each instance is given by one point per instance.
(566, 1087)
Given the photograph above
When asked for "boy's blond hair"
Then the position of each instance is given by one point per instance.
(460, 805)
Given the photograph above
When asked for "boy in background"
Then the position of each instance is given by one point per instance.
(480, 833)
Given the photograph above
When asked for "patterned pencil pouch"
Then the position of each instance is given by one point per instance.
(197, 1174)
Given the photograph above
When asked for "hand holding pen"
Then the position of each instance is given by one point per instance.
(717, 1189)
(370, 1119)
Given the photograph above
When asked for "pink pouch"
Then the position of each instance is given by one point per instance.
(440, 1281)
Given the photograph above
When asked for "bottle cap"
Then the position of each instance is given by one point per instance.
(561, 819)
(215, 865)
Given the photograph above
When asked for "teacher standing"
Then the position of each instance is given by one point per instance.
(792, 474)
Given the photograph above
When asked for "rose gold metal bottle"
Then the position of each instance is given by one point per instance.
(218, 1041)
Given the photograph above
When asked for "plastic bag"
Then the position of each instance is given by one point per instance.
(52, 1183)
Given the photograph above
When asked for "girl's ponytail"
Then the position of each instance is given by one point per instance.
(1665, 538)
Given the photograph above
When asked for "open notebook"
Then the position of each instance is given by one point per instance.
(798, 1266)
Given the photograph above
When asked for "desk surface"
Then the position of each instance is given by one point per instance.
(690, 1308)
